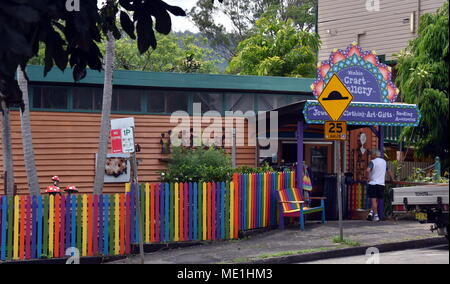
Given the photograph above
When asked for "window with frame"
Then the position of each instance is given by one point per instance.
(209, 101)
(240, 102)
(155, 101)
(167, 101)
(87, 98)
(176, 101)
(45, 97)
(124, 100)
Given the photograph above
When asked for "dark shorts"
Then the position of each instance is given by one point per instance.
(376, 191)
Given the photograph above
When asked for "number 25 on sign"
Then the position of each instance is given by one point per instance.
(335, 130)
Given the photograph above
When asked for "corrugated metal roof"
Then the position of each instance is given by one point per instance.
(179, 80)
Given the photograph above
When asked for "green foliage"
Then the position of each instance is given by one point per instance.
(423, 80)
(71, 37)
(352, 243)
(198, 165)
(176, 53)
(420, 175)
(276, 48)
(204, 165)
(397, 168)
(250, 170)
(68, 39)
(183, 53)
(242, 16)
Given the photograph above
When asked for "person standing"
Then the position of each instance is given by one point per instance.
(377, 176)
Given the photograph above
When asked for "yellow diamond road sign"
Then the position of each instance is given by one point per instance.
(335, 98)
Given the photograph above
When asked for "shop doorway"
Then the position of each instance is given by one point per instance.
(319, 158)
(288, 153)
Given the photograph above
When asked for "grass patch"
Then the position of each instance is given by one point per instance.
(241, 259)
(345, 241)
(288, 253)
(297, 252)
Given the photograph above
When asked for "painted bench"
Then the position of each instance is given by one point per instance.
(291, 204)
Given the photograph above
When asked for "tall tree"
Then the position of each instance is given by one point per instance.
(423, 80)
(27, 141)
(229, 23)
(109, 11)
(276, 48)
(143, 14)
(70, 37)
(67, 37)
(8, 167)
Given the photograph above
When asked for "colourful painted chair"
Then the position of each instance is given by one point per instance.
(291, 204)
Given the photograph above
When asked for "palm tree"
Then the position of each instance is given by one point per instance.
(106, 114)
(146, 38)
(28, 152)
(6, 147)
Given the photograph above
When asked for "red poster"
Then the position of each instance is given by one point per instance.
(116, 141)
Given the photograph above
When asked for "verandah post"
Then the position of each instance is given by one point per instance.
(381, 147)
(300, 135)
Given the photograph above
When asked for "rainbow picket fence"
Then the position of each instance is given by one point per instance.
(104, 225)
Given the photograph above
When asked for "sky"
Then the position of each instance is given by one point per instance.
(180, 24)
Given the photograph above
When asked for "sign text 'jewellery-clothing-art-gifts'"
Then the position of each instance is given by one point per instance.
(367, 114)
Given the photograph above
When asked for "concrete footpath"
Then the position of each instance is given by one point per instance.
(292, 245)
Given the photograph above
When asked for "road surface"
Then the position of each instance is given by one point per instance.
(431, 255)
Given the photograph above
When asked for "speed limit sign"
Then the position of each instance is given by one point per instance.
(335, 130)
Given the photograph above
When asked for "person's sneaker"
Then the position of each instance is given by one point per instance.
(376, 218)
(370, 216)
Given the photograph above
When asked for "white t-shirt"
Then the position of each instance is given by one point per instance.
(378, 173)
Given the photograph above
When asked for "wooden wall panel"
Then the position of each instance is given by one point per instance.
(386, 31)
(65, 145)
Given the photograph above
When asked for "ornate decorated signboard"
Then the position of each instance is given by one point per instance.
(369, 82)
(367, 114)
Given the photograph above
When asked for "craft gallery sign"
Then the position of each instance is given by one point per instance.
(367, 79)
(367, 114)
(361, 84)
(369, 82)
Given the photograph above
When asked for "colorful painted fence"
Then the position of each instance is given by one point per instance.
(357, 196)
(46, 226)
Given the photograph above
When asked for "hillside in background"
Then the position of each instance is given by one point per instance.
(217, 55)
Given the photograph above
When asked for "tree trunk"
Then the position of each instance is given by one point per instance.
(27, 141)
(8, 167)
(106, 114)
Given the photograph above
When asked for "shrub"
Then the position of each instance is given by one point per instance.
(198, 165)
(249, 170)
(204, 165)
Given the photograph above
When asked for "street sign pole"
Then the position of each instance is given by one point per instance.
(335, 99)
(138, 203)
(233, 149)
(123, 141)
(337, 147)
